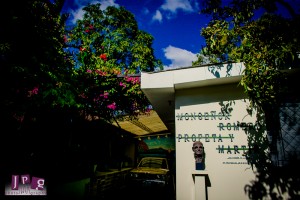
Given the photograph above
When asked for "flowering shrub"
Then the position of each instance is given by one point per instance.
(111, 53)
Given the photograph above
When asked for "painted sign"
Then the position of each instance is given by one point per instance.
(222, 136)
(226, 132)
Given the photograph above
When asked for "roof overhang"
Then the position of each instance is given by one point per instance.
(143, 125)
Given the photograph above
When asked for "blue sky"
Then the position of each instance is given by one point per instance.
(174, 24)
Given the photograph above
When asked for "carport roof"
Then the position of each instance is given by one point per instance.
(146, 124)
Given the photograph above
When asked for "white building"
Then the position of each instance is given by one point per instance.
(190, 102)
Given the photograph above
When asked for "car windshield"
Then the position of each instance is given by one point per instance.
(153, 163)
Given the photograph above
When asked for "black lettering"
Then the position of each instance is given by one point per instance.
(213, 115)
(214, 137)
(228, 126)
(227, 117)
(221, 149)
(186, 138)
(179, 137)
(206, 115)
(207, 138)
(221, 126)
(236, 149)
(228, 150)
(244, 148)
(193, 116)
(200, 136)
(220, 116)
(231, 137)
(200, 116)
(220, 138)
(236, 126)
(186, 116)
(194, 137)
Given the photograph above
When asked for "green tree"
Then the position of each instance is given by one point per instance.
(35, 70)
(255, 33)
(38, 97)
(267, 42)
(109, 51)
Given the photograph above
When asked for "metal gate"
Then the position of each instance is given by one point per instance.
(288, 143)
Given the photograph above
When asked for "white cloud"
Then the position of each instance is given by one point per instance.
(169, 9)
(78, 14)
(157, 16)
(106, 3)
(174, 5)
(179, 57)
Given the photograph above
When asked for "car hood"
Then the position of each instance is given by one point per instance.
(148, 170)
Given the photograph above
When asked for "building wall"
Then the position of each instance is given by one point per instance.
(198, 117)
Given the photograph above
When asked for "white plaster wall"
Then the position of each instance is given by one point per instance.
(227, 180)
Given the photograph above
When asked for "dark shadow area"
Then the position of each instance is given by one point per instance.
(62, 148)
(137, 193)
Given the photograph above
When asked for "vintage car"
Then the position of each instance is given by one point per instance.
(151, 172)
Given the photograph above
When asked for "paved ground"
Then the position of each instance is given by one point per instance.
(138, 193)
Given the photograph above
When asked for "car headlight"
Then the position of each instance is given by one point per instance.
(134, 175)
(161, 176)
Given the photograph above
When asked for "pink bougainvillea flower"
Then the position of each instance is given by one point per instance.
(104, 95)
(32, 92)
(89, 71)
(91, 26)
(133, 80)
(122, 85)
(87, 30)
(35, 90)
(103, 57)
(112, 106)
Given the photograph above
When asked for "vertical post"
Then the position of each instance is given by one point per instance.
(200, 192)
(202, 181)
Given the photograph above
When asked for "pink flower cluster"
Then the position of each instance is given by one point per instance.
(122, 84)
(34, 91)
(133, 80)
(112, 106)
(104, 95)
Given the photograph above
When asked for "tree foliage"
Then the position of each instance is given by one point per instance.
(110, 51)
(35, 73)
(91, 68)
(255, 33)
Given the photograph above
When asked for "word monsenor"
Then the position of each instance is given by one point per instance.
(212, 115)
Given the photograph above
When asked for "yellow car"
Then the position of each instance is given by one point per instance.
(151, 172)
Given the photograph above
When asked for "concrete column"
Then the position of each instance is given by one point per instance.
(201, 180)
